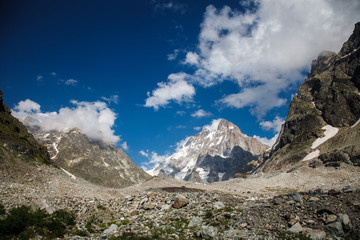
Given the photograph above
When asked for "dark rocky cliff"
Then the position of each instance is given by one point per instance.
(329, 96)
(16, 142)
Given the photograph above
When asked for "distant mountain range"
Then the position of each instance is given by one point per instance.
(215, 154)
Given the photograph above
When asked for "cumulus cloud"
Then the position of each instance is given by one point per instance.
(274, 125)
(173, 56)
(201, 113)
(71, 82)
(270, 142)
(125, 146)
(265, 50)
(53, 74)
(176, 89)
(153, 159)
(94, 119)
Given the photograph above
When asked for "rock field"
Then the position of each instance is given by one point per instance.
(170, 209)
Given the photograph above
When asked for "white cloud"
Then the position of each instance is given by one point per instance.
(173, 56)
(27, 107)
(213, 126)
(71, 82)
(274, 125)
(53, 74)
(270, 142)
(201, 113)
(192, 58)
(143, 153)
(125, 146)
(161, 6)
(94, 119)
(181, 113)
(111, 99)
(153, 159)
(265, 51)
(39, 78)
(197, 128)
(176, 89)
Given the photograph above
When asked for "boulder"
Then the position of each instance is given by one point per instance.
(180, 201)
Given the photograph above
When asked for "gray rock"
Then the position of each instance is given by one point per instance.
(208, 232)
(195, 222)
(344, 219)
(315, 234)
(331, 218)
(296, 228)
(165, 207)
(334, 229)
(110, 230)
(218, 205)
(180, 201)
(41, 203)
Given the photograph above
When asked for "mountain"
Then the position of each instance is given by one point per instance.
(95, 161)
(16, 143)
(215, 154)
(322, 124)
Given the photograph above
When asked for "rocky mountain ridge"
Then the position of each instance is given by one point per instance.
(216, 153)
(15, 140)
(94, 161)
(326, 109)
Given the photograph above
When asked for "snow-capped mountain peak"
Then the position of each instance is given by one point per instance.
(213, 154)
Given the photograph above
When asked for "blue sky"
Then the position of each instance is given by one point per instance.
(150, 73)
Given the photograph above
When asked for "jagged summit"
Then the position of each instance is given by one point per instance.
(214, 154)
(326, 110)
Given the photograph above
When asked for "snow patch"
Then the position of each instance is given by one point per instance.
(203, 175)
(221, 175)
(69, 174)
(57, 151)
(330, 132)
(355, 124)
(312, 155)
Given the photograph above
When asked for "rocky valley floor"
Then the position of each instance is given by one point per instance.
(323, 203)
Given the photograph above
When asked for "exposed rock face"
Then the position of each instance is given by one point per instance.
(96, 162)
(16, 142)
(217, 153)
(328, 97)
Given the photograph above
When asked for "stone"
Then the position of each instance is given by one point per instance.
(297, 197)
(334, 228)
(149, 206)
(110, 230)
(291, 222)
(218, 205)
(314, 234)
(42, 204)
(195, 222)
(331, 218)
(296, 228)
(344, 219)
(165, 207)
(208, 232)
(314, 199)
(243, 225)
(180, 201)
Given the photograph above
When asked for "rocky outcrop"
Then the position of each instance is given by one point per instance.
(16, 143)
(328, 97)
(94, 161)
(215, 154)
